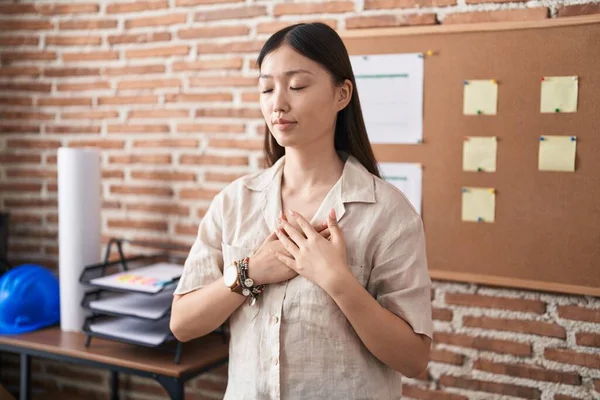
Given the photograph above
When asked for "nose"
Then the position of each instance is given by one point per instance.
(280, 102)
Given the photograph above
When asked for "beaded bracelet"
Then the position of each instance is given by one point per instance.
(249, 290)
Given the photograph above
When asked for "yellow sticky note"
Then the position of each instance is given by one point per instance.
(478, 204)
(479, 153)
(480, 97)
(557, 153)
(559, 94)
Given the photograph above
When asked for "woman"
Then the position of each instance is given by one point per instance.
(338, 301)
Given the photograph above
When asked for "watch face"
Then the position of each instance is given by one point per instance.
(230, 276)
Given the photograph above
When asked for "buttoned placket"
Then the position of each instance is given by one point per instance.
(273, 336)
(271, 207)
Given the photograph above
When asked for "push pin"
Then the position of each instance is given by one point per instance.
(495, 82)
(573, 138)
(479, 169)
(465, 190)
(479, 112)
(479, 219)
(542, 138)
(543, 79)
(557, 110)
(430, 53)
(492, 191)
(466, 82)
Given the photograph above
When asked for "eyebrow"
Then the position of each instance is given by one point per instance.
(287, 73)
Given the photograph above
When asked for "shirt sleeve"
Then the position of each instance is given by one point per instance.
(204, 264)
(399, 278)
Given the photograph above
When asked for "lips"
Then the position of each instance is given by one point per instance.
(281, 121)
(284, 125)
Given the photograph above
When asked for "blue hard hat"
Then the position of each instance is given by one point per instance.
(29, 299)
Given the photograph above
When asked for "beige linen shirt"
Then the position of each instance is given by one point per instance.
(295, 342)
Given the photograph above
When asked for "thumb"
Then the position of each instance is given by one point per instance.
(272, 236)
(282, 215)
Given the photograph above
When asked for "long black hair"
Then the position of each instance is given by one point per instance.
(322, 44)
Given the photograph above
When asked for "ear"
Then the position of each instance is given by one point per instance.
(344, 94)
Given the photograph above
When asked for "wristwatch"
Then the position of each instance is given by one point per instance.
(231, 277)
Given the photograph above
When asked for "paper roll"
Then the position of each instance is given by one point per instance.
(79, 227)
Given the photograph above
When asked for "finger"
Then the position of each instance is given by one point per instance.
(280, 216)
(333, 226)
(319, 228)
(289, 262)
(306, 227)
(293, 233)
(325, 233)
(287, 243)
(331, 218)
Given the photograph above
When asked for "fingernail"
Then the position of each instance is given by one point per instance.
(324, 223)
(291, 212)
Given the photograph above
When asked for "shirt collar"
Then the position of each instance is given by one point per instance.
(356, 185)
(357, 182)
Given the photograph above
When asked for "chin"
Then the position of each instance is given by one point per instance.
(285, 140)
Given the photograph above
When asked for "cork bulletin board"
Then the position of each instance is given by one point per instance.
(546, 234)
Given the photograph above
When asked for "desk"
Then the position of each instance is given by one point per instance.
(197, 357)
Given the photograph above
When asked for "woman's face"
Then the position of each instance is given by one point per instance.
(296, 89)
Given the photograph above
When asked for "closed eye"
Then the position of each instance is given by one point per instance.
(297, 89)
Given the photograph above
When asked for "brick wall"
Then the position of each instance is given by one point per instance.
(167, 89)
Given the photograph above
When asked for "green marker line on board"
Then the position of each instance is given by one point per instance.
(378, 76)
(395, 178)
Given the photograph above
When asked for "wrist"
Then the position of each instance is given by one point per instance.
(231, 278)
(252, 271)
(250, 288)
(336, 283)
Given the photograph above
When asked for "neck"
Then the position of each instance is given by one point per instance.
(305, 169)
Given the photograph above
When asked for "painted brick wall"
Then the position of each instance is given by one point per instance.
(167, 89)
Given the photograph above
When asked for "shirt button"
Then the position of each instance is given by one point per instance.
(274, 319)
(275, 361)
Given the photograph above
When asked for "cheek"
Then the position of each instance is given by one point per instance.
(263, 107)
(266, 112)
(319, 110)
